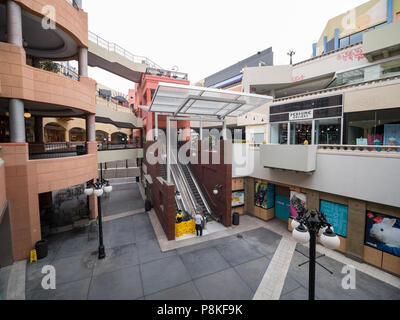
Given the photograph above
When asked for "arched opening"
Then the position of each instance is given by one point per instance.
(77, 135)
(119, 138)
(53, 132)
(101, 136)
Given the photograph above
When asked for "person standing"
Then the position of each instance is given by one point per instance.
(199, 223)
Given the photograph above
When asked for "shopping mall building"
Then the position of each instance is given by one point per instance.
(330, 137)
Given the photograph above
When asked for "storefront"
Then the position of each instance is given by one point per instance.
(378, 127)
(317, 121)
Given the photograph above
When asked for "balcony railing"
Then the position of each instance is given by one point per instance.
(367, 149)
(167, 73)
(57, 150)
(116, 146)
(73, 3)
(112, 47)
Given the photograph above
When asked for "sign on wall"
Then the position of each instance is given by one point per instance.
(382, 232)
(264, 195)
(337, 216)
(301, 115)
(237, 199)
(297, 202)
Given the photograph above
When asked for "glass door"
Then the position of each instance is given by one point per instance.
(301, 132)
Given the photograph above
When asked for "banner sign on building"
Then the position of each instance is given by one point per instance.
(301, 115)
(297, 202)
(382, 232)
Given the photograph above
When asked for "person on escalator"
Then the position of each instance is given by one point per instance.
(179, 216)
(199, 223)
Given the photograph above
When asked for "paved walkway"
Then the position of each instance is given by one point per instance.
(255, 260)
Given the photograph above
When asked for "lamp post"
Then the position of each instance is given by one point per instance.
(291, 53)
(217, 188)
(99, 187)
(306, 227)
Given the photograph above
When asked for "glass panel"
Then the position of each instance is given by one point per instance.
(328, 131)
(390, 68)
(344, 42)
(257, 138)
(357, 37)
(300, 132)
(279, 133)
(374, 127)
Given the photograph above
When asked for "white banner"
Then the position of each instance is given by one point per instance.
(301, 115)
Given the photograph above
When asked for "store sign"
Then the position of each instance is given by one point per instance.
(301, 115)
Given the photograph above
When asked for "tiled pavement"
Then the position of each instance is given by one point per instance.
(136, 268)
(221, 267)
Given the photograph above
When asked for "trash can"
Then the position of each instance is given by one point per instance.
(236, 219)
(147, 205)
(41, 249)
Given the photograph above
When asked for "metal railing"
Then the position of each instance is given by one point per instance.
(116, 146)
(58, 150)
(112, 47)
(360, 148)
(73, 3)
(167, 73)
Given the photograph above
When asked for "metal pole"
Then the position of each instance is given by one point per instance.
(201, 130)
(224, 130)
(156, 127)
(311, 280)
(102, 253)
(168, 150)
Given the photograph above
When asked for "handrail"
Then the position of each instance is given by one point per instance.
(359, 148)
(112, 47)
(73, 3)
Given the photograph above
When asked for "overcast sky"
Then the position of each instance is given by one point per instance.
(203, 37)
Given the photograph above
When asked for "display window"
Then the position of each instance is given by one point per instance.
(380, 127)
(301, 132)
(264, 195)
(279, 133)
(328, 131)
(382, 232)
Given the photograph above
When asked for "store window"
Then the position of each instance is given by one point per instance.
(381, 127)
(328, 131)
(279, 133)
(257, 138)
(301, 132)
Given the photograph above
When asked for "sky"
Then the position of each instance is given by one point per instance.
(204, 37)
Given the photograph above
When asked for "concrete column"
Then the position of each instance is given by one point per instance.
(336, 38)
(39, 134)
(14, 24)
(90, 128)
(83, 62)
(17, 120)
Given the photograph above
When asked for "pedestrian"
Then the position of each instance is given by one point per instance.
(199, 226)
(179, 216)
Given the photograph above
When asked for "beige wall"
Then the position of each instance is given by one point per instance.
(373, 98)
(25, 179)
(21, 81)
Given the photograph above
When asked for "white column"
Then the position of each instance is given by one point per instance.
(224, 130)
(201, 130)
(156, 127)
(83, 62)
(17, 120)
(14, 24)
(313, 133)
(169, 150)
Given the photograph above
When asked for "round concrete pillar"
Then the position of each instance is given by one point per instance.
(17, 120)
(90, 128)
(14, 24)
(83, 62)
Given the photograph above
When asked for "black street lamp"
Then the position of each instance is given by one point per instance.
(306, 227)
(98, 188)
(291, 53)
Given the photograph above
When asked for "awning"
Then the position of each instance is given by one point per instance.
(120, 99)
(125, 125)
(184, 100)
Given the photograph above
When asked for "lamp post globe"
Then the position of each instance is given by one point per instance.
(295, 223)
(301, 234)
(330, 240)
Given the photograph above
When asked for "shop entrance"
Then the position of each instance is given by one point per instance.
(282, 202)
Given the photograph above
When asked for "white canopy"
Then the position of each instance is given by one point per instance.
(184, 100)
